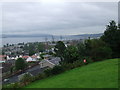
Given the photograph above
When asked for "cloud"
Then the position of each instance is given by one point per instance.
(57, 18)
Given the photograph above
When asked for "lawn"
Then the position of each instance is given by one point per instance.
(102, 74)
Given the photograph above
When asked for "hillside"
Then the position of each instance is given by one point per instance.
(102, 74)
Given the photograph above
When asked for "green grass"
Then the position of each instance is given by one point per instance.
(102, 74)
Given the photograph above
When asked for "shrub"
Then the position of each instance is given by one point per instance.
(40, 76)
(102, 53)
(12, 85)
(26, 78)
(77, 63)
(88, 59)
(67, 66)
(57, 70)
(48, 72)
(53, 71)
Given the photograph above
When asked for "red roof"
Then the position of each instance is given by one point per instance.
(25, 56)
(33, 56)
(1, 56)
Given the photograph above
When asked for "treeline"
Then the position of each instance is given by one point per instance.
(33, 48)
(107, 46)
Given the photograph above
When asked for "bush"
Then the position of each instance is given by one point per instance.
(77, 63)
(26, 78)
(12, 85)
(48, 72)
(67, 66)
(57, 70)
(40, 76)
(102, 53)
(53, 71)
(88, 59)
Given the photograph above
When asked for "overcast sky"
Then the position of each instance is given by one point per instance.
(63, 18)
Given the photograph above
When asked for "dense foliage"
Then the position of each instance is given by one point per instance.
(59, 49)
(26, 78)
(20, 64)
(96, 49)
(70, 54)
(112, 38)
(33, 48)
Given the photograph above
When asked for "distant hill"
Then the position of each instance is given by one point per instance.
(27, 35)
(82, 36)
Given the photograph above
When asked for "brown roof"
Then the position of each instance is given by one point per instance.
(25, 56)
(1, 56)
(33, 56)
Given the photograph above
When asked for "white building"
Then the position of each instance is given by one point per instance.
(30, 59)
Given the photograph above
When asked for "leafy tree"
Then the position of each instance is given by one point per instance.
(20, 64)
(95, 49)
(41, 47)
(112, 38)
(88, 47)
(81, 49)
(100, 50)
(59, 49)
(31, 49)
(71, 54)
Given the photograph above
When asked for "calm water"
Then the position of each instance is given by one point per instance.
(25, 40)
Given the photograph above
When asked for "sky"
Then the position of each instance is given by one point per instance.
(57, 18)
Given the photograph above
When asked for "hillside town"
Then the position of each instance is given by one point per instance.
(59, 44)
(38, 55)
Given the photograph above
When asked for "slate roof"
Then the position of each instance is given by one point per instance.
(55, 60)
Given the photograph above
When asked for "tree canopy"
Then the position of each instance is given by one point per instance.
(60, 48)
(112, 38)
(20, 64)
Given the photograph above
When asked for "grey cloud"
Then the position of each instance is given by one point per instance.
(56, 18)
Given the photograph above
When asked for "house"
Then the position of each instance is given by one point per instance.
(50, 63)
(25, 57)
(30, 59)
(34, 57)
(2, 58)
(47, 56)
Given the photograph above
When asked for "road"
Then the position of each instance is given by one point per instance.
(34, 71)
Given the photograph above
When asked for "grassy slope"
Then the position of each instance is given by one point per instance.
(96, 75)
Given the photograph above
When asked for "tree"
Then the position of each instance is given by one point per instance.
(112, 37)
(59, 49)
(95, 49)
(100, 50)
(31, 49)
(41, 47)
(88, 47)
(71, 54)
(20, 64)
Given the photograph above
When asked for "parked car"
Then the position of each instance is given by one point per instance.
(6, 80)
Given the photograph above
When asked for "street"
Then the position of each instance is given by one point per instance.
(34, 71)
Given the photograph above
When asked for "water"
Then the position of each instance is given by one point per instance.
(25, 40)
